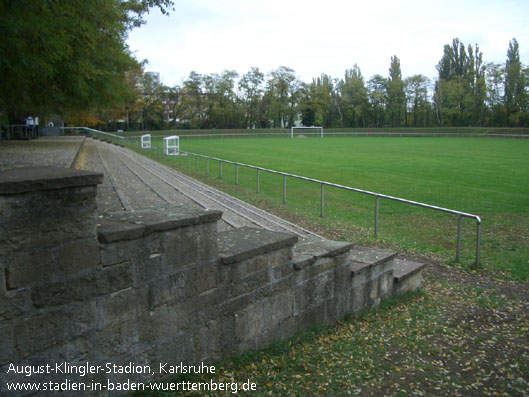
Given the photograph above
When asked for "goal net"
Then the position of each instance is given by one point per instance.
(316, 131)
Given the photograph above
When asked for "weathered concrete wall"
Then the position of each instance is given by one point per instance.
(153, 287)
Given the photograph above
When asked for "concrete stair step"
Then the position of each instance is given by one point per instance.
(236, 245)
(308, 250)
(407, 274)
(363, 258)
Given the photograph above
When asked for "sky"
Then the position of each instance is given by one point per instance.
(324, 36)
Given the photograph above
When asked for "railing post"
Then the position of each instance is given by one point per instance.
(196, 162)
(207, 167)
(188, 160)
(220, 169)
(458, 248)
(236, 173)
(376, 215)
(180, 159)
(284, 189)
(478, 236)
(322, 199)
(258, 187)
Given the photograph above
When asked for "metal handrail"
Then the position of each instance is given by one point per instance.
(377, 196)
(93, 130)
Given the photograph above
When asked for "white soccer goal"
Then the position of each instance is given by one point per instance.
(317, 131)
(146, 141)
(171, 145)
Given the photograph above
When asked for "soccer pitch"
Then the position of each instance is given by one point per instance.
(486, 177)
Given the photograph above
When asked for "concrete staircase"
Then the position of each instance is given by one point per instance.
(290, 283)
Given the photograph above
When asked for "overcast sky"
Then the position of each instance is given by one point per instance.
(324, 36)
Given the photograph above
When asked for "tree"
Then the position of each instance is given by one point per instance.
(459, 94)
(494, 73)
(416, 88)
(152, 102)
(395, 92)
(251, 88)
(377, 86)
(192, 102)
(58, 56)
(354, 98)
(514, 82)
(279, 88)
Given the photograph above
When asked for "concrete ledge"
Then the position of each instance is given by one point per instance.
(119, 226)
(404, 269)
(371, 255)
(246, 242)
(308, 250)
(32, 179)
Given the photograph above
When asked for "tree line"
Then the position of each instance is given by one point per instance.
(71, 58)
(466, 92)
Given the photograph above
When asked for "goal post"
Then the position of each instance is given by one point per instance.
(146, 141)
(171, 145)
(317, 131)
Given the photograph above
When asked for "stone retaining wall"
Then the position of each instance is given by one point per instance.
(150, 287)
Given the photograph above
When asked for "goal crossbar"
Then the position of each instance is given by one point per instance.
(319, 130)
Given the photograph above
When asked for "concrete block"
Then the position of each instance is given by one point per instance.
(83, 318)
(206, 340)
(110, 231)
(14, 303)
(169, 289)
(409, 284)
(41, 332)
(165, 321)
(7, 345)
(322, 287)
(64, 292)
(118, 339)
(243, 243)
(249, 323)
(202, 278)
(124, 306)
(250, 284)
(205, 307)
(374, 292)
(29, 268)
(277, 308)
(179, 348)
(357, 297)
(188, 246)
(148, 267)
(302, 298)
(114, 278)
(77, 255)
(281, 270)
(229, 306)
(121, 251)
(239, 270)
(43, 178)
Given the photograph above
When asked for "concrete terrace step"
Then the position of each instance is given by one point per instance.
(308, 250)
(373, 256)
(407, 275)
(243, 243)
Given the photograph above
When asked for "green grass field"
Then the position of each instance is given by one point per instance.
(486, 177)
